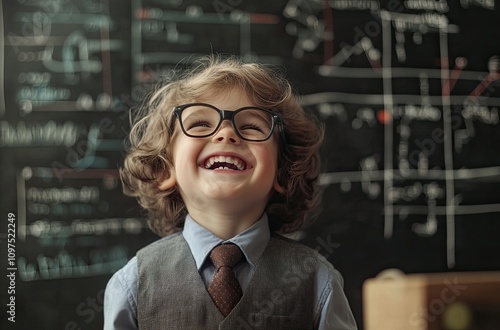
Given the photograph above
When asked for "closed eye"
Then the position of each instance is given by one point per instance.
(253, 127)
(198, 123)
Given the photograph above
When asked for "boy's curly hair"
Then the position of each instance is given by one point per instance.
(149, 159)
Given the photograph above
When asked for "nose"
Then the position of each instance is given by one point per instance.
(226, 133)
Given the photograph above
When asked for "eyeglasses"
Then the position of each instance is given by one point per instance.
(200, 120)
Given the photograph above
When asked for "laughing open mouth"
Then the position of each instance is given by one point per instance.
(225, 163)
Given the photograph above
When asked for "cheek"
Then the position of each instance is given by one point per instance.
(184, 160)
(186, 153)
(185, 150)
(269, 158)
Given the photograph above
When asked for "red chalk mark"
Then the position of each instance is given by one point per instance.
(445, 83)
(384, 116)
(264, 19)
(485, 83)
(448, 85)
(328, 34)
(142, 13)
(143, 76)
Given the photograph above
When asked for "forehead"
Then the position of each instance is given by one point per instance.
(227, 99)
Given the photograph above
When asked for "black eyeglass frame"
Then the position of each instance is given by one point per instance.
(277, 121)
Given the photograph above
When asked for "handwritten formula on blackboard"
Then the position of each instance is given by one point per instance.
(408, 92)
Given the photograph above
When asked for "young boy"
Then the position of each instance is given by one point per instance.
(224, 158)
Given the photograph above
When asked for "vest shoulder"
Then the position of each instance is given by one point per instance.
(292, 245)
(159, 244)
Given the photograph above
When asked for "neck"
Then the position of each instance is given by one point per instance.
(224, 224)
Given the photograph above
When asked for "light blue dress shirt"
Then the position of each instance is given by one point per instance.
(331, 310)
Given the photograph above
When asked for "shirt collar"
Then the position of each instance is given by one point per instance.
(251, 241)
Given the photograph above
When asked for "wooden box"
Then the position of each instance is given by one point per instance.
(432, 301)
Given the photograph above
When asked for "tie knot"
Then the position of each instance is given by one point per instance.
(226, 255)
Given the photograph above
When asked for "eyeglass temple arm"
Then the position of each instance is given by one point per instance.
(172, 120)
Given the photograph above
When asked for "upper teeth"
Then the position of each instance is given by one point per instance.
(240, 165)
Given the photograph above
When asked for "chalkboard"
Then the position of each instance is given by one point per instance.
(408, 92)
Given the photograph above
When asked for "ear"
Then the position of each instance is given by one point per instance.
(167, 183)
(278, 187)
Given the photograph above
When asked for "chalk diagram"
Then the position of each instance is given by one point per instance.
(426, 123)
(416, 174)
(65, 52)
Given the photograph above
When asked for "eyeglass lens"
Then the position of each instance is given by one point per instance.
(251, 124)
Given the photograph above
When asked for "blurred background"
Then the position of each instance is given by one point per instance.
(408, 90)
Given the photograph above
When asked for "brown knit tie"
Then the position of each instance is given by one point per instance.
(225, 289)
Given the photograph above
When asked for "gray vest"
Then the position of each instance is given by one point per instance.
(172, 295)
